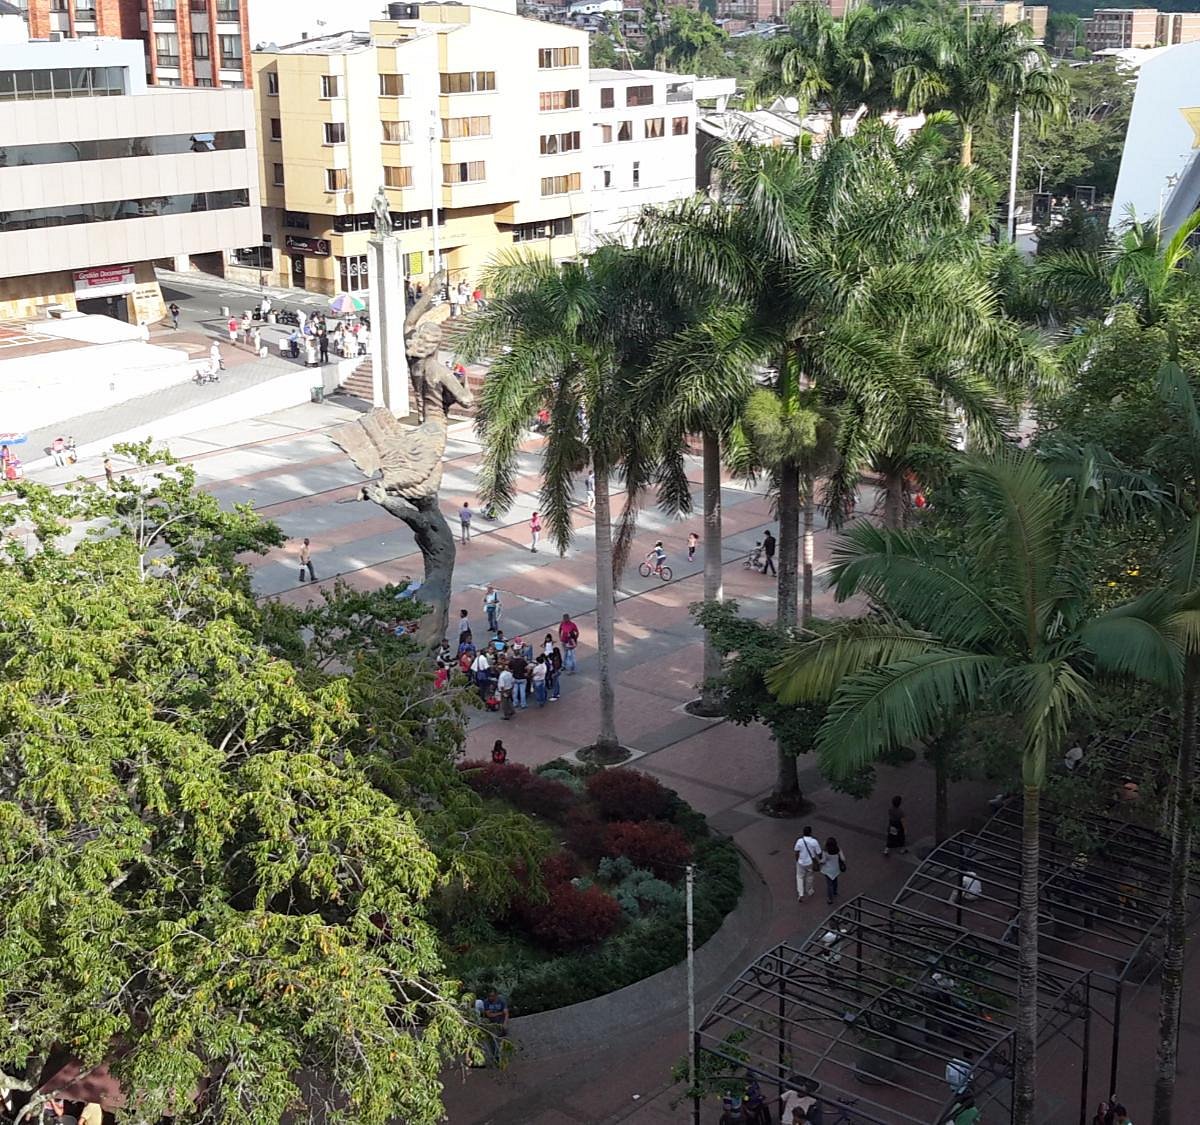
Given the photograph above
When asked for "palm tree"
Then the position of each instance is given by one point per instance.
(569, 338)
(842, 64)
(789, 433)
(976, 69)
(996, 613)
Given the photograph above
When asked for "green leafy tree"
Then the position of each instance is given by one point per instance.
(999, 617)
(218, 854)
(680, 39)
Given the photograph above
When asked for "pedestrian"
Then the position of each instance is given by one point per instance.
(264, 307)
(493, 1011)
(464, 521)
(109, 478)
(808, 856)
(364, 341)
(246, 327)
(232, 326)
(897, 829)
(499, 753)
(768, 550)
(455, 300)
(540, 670)
(256, 340)
(1121, 1115)
(323, 343)
(301, 318)
(306, 562)
(970, 887)
(833, 864)
(554, 676)
(519, 667)
(173, 309)
(492, 607)
(535, 531)
(481, 669)
(506, 683)
(693, 543)
(568, 635)
(72, 450)
(58, 450)
(464, 295)
(216, 363)
(958, 1075)
(477, 298)
(591, 491)
(294, 343)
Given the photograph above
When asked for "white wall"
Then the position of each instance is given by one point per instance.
(41, 54)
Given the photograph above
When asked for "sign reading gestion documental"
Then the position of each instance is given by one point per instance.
(105, 281)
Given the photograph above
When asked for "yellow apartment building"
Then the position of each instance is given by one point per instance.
(478, 113)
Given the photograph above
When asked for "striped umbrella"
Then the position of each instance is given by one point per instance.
(345, 303)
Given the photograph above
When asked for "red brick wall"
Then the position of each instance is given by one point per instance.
(39, 19)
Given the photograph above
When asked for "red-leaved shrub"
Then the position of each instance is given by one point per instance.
(558, 867)
(584, 834)
(660, 847)
(628, 795)
(520, 786)
(571, 918)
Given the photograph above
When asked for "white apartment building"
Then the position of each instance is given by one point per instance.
(101, 177)
(643, 142)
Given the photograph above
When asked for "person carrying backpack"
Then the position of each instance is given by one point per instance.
(568, 635)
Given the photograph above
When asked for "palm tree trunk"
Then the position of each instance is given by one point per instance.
(806, 611)
(1025, 1080)
(789, 543)
(893, 501)
(710, 694)
(606, 743)
(941, 792)
(787, 778)
(965, 159)
(1171, 990)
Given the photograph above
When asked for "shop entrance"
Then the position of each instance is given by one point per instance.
(116, 307)
(298, 271)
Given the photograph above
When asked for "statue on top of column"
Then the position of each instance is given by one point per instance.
(383, 214)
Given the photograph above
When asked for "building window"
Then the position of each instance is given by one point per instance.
(120, 148)
(200, 45)
(535, 232)
(273, 83)
(228, 11)
(276, 129)
(277, 172)
(396, 132)
(295, 220)
(231, 51)
(554, 143)
(551, 58)
(637, 173)
(606, 177)
(639, 95)
(335, 132)
(679, 126)
(329, 85)
(337, 179)
(464, 172)
(253, 257)
(606, 97)
(455, 128)
(468, 82)
(346, 224)
(560, 185)
(413, 264)
(605, 134)
(75, 82)
(395, 177)
(391, 85)
(166, 48)
(654, 128)
(355, 273)
(204, 82)
(74, 214)
(407, 220)
(550, 100)
(624, 130)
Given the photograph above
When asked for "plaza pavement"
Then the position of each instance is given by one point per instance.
(287, 467)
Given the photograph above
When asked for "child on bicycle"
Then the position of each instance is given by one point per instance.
(659, 554)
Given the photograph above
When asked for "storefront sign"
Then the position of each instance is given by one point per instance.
(148, 307)
(104, 281)
(308, 245)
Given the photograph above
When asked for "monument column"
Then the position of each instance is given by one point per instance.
(389, 363)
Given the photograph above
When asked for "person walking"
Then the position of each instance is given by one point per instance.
(897, 829)
(58, 450)
(591, 491)
(492, 607)
(568, 635)
(535, 531)
(833, 863)
(455, 300)
(173, 309)
(693, 543)
(232, 327)
(808, 856)
(768, 549)
(214, 357)
(264, 307)
(464, 522)
(109, 478)
(323, 342)
(306, 562)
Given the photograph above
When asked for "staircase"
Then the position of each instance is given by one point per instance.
(359, 382)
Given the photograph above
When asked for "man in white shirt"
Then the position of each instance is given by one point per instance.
(479, 669)
(505, 684)
(958, 1076)
(808, 855)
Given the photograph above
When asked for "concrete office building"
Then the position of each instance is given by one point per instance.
(186, 42)
(1121, 27)
(102, 177)
(478, 114)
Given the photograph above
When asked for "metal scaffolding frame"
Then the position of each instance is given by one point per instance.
(882, 998)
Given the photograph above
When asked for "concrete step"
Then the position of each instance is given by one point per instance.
(360, 382)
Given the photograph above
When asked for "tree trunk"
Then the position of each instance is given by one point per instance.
(606, 742)
(965, 159)
(893, 501)
(789, 543)
(710, 693)
(806, 611)
(1171, 990)
(941, 793)
(787, 777)
(1025, 1080)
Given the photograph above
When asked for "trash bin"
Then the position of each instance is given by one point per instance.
(318, 394)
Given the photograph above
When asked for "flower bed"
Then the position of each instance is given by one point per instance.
(608, 908)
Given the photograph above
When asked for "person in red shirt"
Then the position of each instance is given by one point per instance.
(568, 636)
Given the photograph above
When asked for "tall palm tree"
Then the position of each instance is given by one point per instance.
(569, 338)
(841, 64)
(790, 434)
(997, 613)
(975, 69)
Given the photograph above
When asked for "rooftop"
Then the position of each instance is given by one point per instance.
(608, 74)
(338, 43)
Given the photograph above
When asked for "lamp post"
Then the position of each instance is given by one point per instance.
(1012, 175)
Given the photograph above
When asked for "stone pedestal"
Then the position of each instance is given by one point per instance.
(388, 360)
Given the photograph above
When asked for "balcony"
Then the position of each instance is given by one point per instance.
(85, 15)
(167, 60)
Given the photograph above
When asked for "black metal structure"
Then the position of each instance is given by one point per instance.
(877, 1003)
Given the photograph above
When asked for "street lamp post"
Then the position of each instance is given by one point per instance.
(1012, 176)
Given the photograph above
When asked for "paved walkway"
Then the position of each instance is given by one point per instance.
(288, 468)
